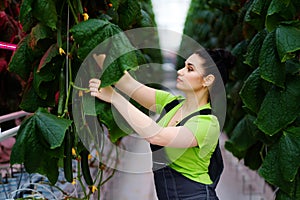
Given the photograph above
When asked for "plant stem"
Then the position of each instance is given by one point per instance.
(80, 88)
(69, 88)
(79, 179)
(73, 12)
(114, 169)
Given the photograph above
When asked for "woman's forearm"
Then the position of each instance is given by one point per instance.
(127, 84)
(142, 94)
(179, 137)
(141, 123)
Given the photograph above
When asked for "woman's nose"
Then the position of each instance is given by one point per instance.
(180, 71)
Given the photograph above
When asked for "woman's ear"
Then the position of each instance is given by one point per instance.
(209, 80)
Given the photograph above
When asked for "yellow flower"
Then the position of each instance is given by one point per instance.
(94, 189)
(61, 51)
(90, 156)
(85, 16)
(73, 152)
(74, 181)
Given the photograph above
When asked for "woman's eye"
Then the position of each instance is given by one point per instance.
(190, 69)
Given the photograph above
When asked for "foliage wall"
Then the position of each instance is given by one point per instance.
(263, 95)
(59, 34)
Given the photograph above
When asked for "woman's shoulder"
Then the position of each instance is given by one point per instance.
(164, 97)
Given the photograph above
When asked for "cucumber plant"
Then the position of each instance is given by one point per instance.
(263, 121)
(58, 37)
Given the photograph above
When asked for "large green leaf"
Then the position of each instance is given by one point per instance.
(145, 20)
(290, 154)
(31, 100)
(253, 157)
(277, 5)
(102, 36)
(115, 70)
(240, 69)
(26, 7)
(242, 137)
(287, 40)
(252, 92)
(280, 195)
(21, 62)
(26, 17)
(50, 54)
(38, 143)
(51, 127)
(115, 123)
(274, 16)
(46, 71)
(39, 32)
(271, 69)
(283, 160)
(254, 47)
(255, 15)
(87, 29)
(45, 12)
(129, 13)
(292, 66)
(280, 107)
(271, 170)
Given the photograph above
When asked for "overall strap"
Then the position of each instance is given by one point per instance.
(169, 107)
(206, 111)
(165, 110)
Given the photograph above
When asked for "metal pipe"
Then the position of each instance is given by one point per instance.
(13, 115)
(9, 133)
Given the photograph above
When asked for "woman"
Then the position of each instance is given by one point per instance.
(188, 147)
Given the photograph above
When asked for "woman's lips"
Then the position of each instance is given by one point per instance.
(178, 80)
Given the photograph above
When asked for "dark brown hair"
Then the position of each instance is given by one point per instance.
(223, 59)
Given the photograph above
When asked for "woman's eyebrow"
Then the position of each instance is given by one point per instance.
(189, 64)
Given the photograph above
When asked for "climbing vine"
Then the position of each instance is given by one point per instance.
(58, 37)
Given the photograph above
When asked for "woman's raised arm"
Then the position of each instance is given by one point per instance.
(180, 137)
(141, 93)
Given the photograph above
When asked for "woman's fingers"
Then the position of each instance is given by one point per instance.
(95, 80)
(94, 85)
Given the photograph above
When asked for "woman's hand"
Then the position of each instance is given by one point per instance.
(104, 94)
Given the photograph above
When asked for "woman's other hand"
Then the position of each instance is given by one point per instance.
(104, 94)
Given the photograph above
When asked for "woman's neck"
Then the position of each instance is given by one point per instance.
(194, 100)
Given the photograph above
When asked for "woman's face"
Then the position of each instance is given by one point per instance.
(190, 78)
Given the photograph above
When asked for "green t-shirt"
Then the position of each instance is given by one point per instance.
(191, 162)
